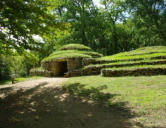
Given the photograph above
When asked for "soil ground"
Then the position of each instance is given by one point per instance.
(43, 103)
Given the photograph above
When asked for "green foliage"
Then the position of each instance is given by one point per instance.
(21, 19)
(11, 65)
(148, 17)
(30, 60)
(117, 26)
(4, 68)
(98, 28)
(16, 64)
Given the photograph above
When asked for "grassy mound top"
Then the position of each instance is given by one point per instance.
(137, 67)
(121, 64)
(91, 53)
(71, 54)
(76, 47)
(65, 55)
(141, 53)
(146, 50)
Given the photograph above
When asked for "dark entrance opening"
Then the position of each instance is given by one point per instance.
(62, 68)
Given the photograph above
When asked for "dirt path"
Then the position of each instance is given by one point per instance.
(43, 103)
(32, 83)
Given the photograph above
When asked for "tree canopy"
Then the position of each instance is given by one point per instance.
(114, 26)
(21, 20)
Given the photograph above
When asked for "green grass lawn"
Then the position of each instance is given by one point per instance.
(19, 79)
(144, 96)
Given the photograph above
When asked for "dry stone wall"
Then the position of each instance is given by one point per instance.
(73, 64)
(41, 73)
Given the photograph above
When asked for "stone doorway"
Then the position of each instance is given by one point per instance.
(62, 68)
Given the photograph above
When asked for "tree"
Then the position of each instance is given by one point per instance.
(114, 12)
(150, 14)
(20, 20)
(76, 13)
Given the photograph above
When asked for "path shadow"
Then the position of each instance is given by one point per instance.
(71, 107)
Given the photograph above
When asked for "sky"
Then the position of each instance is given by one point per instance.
(97, 2)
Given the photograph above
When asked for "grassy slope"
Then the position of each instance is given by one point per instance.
(137, 67)
(73, 51)
(147, 57)
(72, 54)
(146, 96)
(66, 55)
(123, 63)
(75, 47)
(141, 53)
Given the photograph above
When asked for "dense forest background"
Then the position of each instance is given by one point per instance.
(32, 29)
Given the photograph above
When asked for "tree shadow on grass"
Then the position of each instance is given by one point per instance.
(73, 106)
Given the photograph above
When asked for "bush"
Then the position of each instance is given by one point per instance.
(16, 64)
(4, 68)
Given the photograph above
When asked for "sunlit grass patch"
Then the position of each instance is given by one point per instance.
(146, 96)
(141, 53)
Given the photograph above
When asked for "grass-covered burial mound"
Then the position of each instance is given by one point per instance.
(78, 60)
(144, 61)
(69, 58)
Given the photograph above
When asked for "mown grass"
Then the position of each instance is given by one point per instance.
(71, 54)
(91, 53)
(137, 67)
(121, 63)
(19, 79)
(66, 55)
(142, 56)
(146, 50)
(141, 53)
(75, 47)
(145, 96)
(72, 51)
